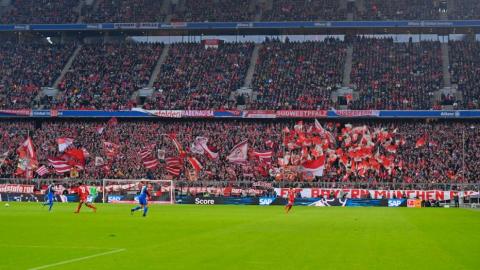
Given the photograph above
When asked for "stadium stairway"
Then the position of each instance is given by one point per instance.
(158, 66)
(447, 81)
(67, 67)
(253, 64)
(347, 69)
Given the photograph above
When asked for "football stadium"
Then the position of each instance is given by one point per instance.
(239, 134)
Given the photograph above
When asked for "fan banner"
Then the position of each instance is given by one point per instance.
(12, 188)
(438, 195)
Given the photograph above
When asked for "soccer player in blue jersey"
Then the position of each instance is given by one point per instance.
(142, 200)
(50, 196)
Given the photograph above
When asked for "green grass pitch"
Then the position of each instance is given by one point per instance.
(237, 237)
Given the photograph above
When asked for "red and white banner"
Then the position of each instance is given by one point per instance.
(10, 188)
(239, 153)
(439, 195)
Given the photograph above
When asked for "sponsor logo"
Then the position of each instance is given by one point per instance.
(113, 198)
(265, 201)
(204, 201)
(394, 203)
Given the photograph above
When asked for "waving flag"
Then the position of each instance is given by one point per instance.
(64, 143)
(195, 164)
(147, 158)
(75, 157)
(200, 146)
(150, 163)
(27, 159)
(314, 166)
(43, 170)
(177, 144)
(60, 165)
(238, 154)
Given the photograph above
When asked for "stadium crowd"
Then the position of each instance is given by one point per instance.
(128, 11)
(298, 75)
(399, 10)
(301, 10)
(215, 11)
(423, 152)
(105, 76)
(465, 70)
(25, 68)
(195, 77)
(396, 76)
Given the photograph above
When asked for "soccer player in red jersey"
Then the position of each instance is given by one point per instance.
(291, 200)
(83, 193)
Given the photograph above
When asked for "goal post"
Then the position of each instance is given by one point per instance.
(127, 190)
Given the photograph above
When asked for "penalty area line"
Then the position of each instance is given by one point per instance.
(78, 259)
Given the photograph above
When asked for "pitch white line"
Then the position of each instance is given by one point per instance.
(77, 259)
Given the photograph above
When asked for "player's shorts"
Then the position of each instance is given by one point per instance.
(290, 203)
(142, 201)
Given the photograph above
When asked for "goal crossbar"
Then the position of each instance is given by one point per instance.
(105, 186)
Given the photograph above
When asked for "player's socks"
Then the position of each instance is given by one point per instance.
(145, 210)
(136, 208)
(78, 208)
(50, 206)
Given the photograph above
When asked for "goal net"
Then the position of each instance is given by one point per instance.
(127, 191)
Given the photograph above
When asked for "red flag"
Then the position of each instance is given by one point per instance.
(75, 157)
(195, 164)
(150, 163)
(60, 165)
(42, 170)
(315, 166)
(179, 147)
(420, 142)
(173, 170)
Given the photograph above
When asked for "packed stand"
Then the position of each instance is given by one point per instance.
(25, 68)
(464, 10)
(215, 11)
(465, 70)
(403, 153)
(125, 11)
(298, 75)
(104, 76)
(41, 11)
(382, 10)
(304, 10)
(196, 77)
(395, 76)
